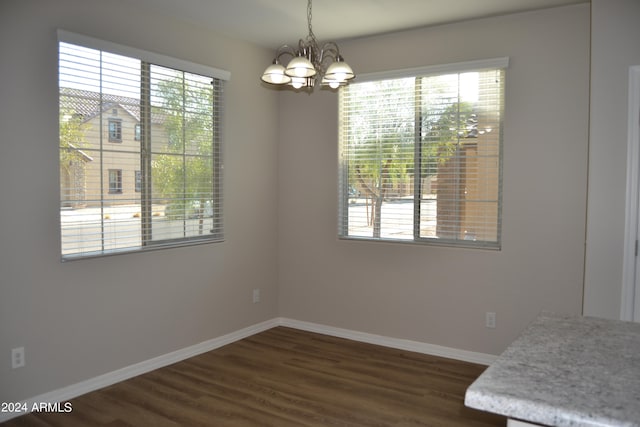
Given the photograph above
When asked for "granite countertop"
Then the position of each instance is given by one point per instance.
(566, 371)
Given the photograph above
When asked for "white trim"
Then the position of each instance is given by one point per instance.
(151, 57)
(67, 393)
(630, 303)
(456, 67)
(397, 343)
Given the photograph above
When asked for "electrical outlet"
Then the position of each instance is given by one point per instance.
(256, 296)
(17, 357)
(490, 320)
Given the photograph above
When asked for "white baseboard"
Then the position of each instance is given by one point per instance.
(400, 344)
(67, 393)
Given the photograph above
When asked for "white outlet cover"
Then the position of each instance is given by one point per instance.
(490, 320)
(17, 357)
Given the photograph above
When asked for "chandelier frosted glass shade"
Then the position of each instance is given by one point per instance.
(310, 63)
(300, 67)
(339, 71)
(275, 74)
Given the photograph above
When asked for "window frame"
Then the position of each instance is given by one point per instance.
(344, 188)
(115, 181)
(137, 176)
(115, 134)
(216, 234)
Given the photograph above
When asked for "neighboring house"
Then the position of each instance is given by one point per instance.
(110, 149)
(468, 184)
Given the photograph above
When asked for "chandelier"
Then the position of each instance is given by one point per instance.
(309, 64)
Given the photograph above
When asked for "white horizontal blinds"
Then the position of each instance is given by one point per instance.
(138, 147)
(420, 158)
(142, 55)
(377, 140)
(460, 156)
(185, 150)
(99, 102)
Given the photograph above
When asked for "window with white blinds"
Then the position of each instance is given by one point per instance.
(140, 149)
(420, 155)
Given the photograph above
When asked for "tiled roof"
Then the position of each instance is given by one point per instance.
(87, 104)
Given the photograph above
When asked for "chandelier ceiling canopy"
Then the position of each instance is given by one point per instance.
(309, 64)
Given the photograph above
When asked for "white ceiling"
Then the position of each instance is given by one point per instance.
(271, 23)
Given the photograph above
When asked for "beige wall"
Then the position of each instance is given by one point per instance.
(615, 35)
(433, 294)
(81, 319)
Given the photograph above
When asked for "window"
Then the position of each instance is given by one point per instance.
(145, 192)
(115, 181)
(420, 155)
(115, 130)
(138, 178)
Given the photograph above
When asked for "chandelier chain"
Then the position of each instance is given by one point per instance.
(309, 17)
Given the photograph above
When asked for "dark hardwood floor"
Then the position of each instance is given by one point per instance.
(285, 377)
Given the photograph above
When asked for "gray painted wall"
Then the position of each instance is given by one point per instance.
(81, 319)
(433, 294)
(614, 48)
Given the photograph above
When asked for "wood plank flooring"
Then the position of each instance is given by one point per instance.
(285, 377)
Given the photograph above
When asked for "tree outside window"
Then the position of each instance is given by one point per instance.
(420, 159)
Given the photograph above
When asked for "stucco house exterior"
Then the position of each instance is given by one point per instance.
(106, 163)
